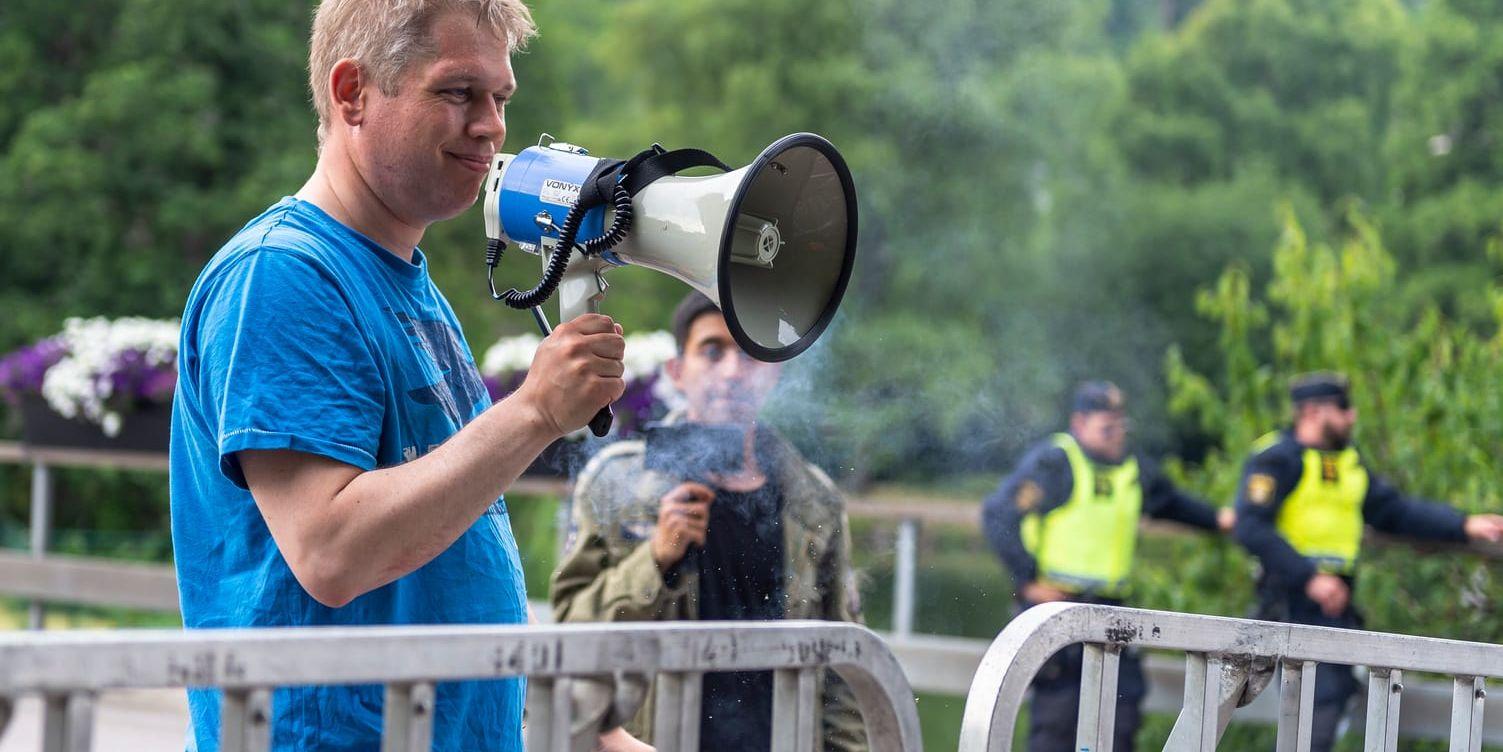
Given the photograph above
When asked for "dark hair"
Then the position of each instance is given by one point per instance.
(694, 305)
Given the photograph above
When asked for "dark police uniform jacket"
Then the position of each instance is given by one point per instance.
(1302, 511)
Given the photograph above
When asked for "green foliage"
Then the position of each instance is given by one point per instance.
(1042, 186)
(1424, 385)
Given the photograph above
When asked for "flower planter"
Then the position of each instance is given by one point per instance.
(147, 429)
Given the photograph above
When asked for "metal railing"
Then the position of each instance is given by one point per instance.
(70, 669)
(907, 510)
(1228, 662)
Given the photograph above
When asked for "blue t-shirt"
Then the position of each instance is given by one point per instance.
(303, 334)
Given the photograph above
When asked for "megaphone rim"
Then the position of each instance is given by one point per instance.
(847, 264)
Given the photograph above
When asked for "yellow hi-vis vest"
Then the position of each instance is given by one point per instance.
(1322, 517)
(1086, 545)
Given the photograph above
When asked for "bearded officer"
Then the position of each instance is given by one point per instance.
(1305, 496)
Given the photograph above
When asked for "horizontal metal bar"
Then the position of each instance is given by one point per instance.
(244, 659)
(356, 655)
(89, 581)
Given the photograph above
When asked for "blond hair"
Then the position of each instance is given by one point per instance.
(386, 36)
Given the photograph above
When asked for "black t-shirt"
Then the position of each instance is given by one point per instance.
(741, 579)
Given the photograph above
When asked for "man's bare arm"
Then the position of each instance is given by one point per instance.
(345, 532)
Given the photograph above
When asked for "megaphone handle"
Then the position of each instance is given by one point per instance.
(600, 425)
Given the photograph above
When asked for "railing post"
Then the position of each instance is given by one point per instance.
(67, 722)
(407, 718)
(1198, 726)
(1468, 700)
(41, 528)
(677, 710)
(549, 711)
(1384, 690)
(1296, 705)
(245, 720)
(793, 703)
(903, 580)
(1096, 725)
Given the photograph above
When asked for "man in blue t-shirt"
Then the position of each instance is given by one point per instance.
(335, 457)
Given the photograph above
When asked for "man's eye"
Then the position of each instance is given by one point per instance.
(458, 95)
(713, 353)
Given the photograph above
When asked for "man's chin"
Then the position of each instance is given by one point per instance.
(451, 209)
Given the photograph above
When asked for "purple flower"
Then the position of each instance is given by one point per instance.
(637, 406)
(133, 379)
(22, 371)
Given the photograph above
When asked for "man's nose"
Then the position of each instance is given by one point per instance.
(489, 122)
(735, 365)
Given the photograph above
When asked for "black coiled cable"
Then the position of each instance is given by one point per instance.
(620, 224)
(553, 274)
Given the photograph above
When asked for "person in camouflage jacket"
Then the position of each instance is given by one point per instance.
(640, 546)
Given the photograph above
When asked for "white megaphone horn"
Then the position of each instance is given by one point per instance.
(772, 243)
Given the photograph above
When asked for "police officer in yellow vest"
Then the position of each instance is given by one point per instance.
(1305, 497)
(1065, 523)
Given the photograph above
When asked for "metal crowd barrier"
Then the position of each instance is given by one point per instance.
(70, 669)
(1228, 662)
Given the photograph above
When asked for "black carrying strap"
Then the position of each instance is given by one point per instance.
(640, 171)
(665, 163)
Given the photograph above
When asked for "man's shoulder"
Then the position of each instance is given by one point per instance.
(275, 243)
(1275, 450)
(617, 458)
(809, 493)
(1045, 454)
(291, 227)
(616, 475)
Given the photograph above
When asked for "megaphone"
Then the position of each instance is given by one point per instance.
(772, 243)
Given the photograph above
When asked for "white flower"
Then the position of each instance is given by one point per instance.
(646, 352)
(79, 385)
(510, 355)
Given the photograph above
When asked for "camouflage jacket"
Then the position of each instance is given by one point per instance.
(608, 574)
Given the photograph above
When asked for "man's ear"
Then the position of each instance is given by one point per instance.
(347, 88)
(674, 367)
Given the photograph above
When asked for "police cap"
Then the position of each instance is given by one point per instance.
(1320, 385)
(1097, 396)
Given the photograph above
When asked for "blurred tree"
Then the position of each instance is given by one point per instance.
(118, 177)
(1431, 416)
(1445, 153)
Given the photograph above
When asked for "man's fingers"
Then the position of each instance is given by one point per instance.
(698, 492)
(610, 369)
(691, 493)
(591, 323)
(606, 345)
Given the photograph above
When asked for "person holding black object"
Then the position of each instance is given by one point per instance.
(1305, 496)
(1065, 523)
(714, 517)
